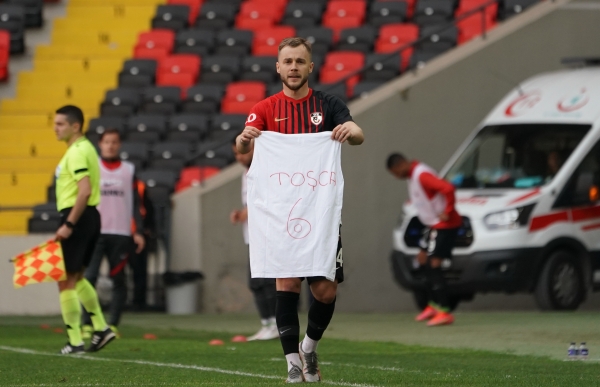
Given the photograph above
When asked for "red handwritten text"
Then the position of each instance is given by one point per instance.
(311, 178)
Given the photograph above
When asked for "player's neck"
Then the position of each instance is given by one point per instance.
(296, 94)
(74, 137)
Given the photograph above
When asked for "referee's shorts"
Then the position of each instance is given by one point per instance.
(79, 247)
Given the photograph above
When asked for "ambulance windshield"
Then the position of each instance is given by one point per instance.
(515, 156)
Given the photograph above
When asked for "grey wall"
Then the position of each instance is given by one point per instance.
(425, 115)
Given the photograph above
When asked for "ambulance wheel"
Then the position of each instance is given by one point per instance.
(421, 299)
(561, 284)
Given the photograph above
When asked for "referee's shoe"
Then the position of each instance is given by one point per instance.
(100, 339)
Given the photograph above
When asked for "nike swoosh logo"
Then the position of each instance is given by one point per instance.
(280, 119)
(282, 332)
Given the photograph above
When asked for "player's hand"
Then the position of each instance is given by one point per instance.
(444, 217)
(248, 134)
(348, 131)
(139, 241)
(422, 257)
(63, 233)
(243, 215)
(234, 216)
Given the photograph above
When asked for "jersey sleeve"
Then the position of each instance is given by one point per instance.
(78, 165)
(341, 114)
(257, 116)
(435, 184)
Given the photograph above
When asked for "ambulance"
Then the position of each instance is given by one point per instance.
(528, 189)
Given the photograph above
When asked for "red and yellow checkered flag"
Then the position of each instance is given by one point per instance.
(43, 263)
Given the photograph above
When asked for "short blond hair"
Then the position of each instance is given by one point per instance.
(295, 42)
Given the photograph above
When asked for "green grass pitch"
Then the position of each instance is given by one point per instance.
(181, 356)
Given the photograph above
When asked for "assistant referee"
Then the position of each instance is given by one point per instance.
(77, 195)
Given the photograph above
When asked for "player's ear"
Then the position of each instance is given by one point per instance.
(277, 66)
(312, 66)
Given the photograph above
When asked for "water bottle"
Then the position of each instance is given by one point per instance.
(572, 352)
(583, 352)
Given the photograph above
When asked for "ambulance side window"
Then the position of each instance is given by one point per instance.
(583, 187)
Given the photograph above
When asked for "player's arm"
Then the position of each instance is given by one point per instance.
(244, 140)
(348, 131)
(441, 186)
(84, 191)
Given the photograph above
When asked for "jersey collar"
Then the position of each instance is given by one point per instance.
(297, 100)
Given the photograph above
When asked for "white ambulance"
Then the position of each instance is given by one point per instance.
(528, 188)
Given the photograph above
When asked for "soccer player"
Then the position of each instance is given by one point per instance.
(299, 109)
(263, 289)
(433, 198)
(77, 195)
(119, 205)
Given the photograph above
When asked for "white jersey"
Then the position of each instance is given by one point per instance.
(295, 194)
(244, 202)
(428, 210)
(116, 203)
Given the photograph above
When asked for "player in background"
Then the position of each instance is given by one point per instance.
(263, 289)
(119, 205)
(77, 195)
(433, 198)
(300, 109)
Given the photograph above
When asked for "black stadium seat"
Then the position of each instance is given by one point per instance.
(301, 14)
(161, 99)
(259, 68)
(439, 41)
(382, 67)
(429, 12)
(387, 12)
(420, 57)
(187, 127)
(148, 128)
(203, 98)
(226, 126)
(138, 73)
(12, 19)
(120, 102)
(160, 184)
(357, 39)
(198, 42)
(136, 153)
(338, 90)
(45, 219)
(509, 8)
(33, 11)
(216, 16)
(220, 69)
(172, 17)
(234, 42)
(363, 88)
(97, 126)
(170, 155)
(213, 154)
(321, 38)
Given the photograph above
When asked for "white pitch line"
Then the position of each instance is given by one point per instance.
(379, 368)
(173, 365)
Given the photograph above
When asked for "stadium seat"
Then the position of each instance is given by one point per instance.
(180, 80)
(225, 127)
(217, 154)
(216, 16)
(203, 98)
(362, 89)
(173, 17)
(194, 176)
(4, 54)
(320, 38)
(509, 8)
(259, 10)
(254, 25)
(45, 219)
(170, 155)
(194, 8)
(197, 42)
(339, 90)
(159, 185)
(259, 68)
(394, 36)
(420, 57)
(136, 153)
(138, 73)
(302, 14)
(240, 97)
(234, 42)
(387, 12)
(472, 26)
(120, 102)
(187, 127)
(357, 39)
(266, 41)
(100, 124)
(337, 24)
(161, 100)
(155, 44)
(347, 8)
(220, 69)
(340, 64)
(439, 40)
(180, 64)
(147, 128)
(381, 67)
(430, 12)
(467, 5)
(12, 19)
(33, 11)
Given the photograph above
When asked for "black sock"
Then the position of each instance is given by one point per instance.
(319, 317)
(286, 313)
(438, 288)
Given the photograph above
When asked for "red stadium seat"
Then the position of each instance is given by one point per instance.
(194, 7)
(237, 107)
(337, 24)
(4, 40)
(394, 36)
(260, 10)
(156, 53)
(194, 176)
(157, 38)
(266, 41)
(253, 24)
(350, 8)
(181, 80)
(180, 63)
(471, 27)
(467, 5)
(245, 90)
(340, 64)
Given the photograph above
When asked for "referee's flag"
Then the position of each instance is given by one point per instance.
(43, 263)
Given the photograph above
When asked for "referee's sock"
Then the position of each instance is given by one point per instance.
(71, 313)
(319, 317)
(288, 324)
(89, 299)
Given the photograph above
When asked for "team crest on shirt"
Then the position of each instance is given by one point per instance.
(316, 118)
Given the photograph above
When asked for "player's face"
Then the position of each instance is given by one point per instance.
(293, 65)
(244, 158)
(110, 146)
(63, 129)
(400, 170)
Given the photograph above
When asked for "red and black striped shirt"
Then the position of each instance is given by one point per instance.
(317, 112)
